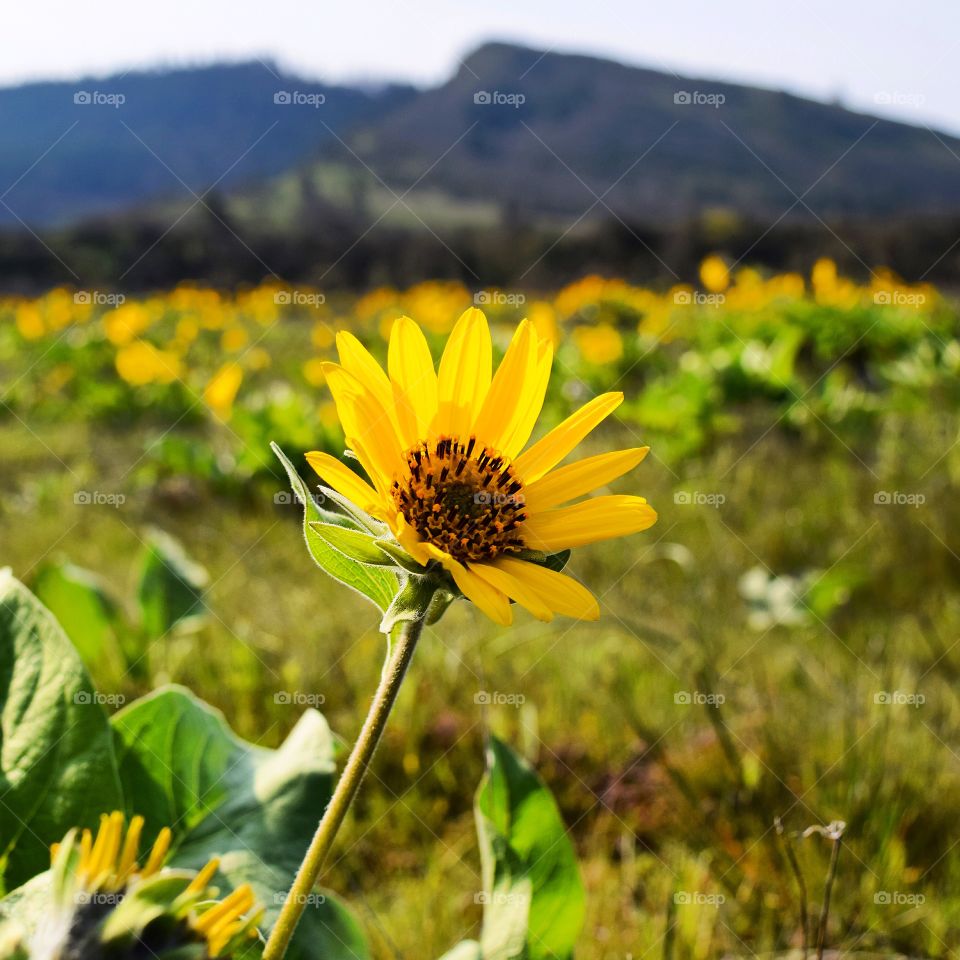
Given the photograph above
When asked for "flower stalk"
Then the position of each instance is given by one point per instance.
(406, 635)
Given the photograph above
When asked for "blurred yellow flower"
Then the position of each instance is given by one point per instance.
(234, 339)
(222, 390)
(313, 371)
(29, 322)
(126, 322)
(714, 274)
(600, 344)
(140, 363)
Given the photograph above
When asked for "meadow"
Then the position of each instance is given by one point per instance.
(777, 653)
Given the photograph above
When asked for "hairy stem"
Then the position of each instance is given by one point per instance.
(346, 789)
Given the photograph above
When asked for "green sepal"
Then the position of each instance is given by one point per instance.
(353, 544)
(361, 517)
(412, 602)
(552, 561)
(400, 556)
(377, 584)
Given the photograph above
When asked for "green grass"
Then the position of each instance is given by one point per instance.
(660, 797)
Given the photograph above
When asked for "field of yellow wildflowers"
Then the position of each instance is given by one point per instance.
(777, 654)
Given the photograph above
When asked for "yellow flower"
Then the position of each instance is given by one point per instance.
(140, 363)
(600, 344)
(222, 390)
(233, 339)
(126, 322)
(103, 870)
(714, 274)
(30, 322)
(443, 449)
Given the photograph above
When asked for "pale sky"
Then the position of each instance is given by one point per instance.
(888, 58)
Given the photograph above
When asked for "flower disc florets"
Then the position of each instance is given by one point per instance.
(463, 498)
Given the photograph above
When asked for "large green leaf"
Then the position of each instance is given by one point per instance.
(171, 586)
(255, 809)
(533, 897)
(57, 767)
(82, 604)
(376, 584)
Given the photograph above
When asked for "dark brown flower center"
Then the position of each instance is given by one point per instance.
(463, 498)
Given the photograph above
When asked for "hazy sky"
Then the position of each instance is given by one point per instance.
(889, 58)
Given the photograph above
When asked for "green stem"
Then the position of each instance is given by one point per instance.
(346, 789)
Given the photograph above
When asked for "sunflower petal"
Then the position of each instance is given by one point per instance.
(414, 380)
(558, 591)
(547, 452)
(344, 481)
(464, 376)
(356, 359)
(531, 401)
(602, 518)
(488, 598)
(576, 479)
(364, 418)
(514, 588)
